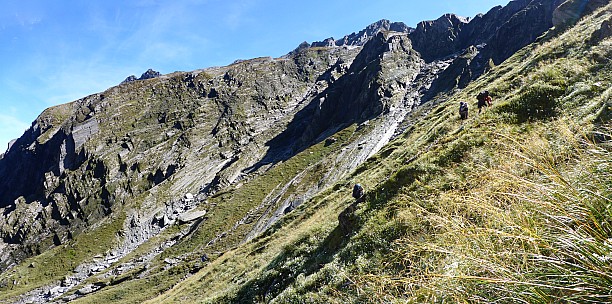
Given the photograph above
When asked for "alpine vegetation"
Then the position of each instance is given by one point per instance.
(368, 169)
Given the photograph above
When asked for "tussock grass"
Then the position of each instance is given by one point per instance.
(511, 206)
(534, 228)
(574, 261)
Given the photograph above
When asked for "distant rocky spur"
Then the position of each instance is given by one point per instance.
(150, 73)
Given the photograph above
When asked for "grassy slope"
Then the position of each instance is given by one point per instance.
(160, 280)
(230, 206)
(464, 211)
(53, 265)
(455, 211)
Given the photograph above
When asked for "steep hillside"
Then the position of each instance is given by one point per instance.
(511, 205)
(232, 184)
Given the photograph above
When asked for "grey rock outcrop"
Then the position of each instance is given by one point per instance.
(570, 11)
(10, 144)
(191, 216)
(130, 79)
(605, 31)
(149, 74)
(523, 27)
(362, 37)
(439, 38)
(496, 35)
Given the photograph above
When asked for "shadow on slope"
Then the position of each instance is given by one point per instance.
(353, 98)
(296, 260)
(281, 272)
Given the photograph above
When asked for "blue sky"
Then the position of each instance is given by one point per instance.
(57, 51)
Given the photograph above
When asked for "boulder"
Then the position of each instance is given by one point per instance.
(330, 141)
(96, 268)
(56, 291)
(87, 289)
(191, 216)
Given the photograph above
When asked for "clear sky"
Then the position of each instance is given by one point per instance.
(57, 51)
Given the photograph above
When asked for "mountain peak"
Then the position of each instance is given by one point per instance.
(360, 38)
(150, 73)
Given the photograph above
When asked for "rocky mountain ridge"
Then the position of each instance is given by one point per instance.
(181, 151)
(363, 36)
(150, 73)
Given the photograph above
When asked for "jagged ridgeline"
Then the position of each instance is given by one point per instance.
(232, 184)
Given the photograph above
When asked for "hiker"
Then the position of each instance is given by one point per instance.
(484, 100)
(463, 110)
(347, 218)
(358, 193)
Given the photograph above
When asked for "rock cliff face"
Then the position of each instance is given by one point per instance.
(363, 36)
(187, 150)
(496, 35)
(570, 11)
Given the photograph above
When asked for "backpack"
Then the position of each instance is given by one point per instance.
(481, 96)
(357, 191)
(463, 106)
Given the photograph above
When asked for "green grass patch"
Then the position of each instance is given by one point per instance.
(537, 102)
(233, 205)
(53, 265)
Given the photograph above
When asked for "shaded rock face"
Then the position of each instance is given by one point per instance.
(605, 31)
(531, 21)
(570, 11)
(458, 74)
(496, 35)
(439, 38)
(43, 149)
(468, 44)
(356, 96)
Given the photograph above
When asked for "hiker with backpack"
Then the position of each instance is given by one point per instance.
(358, 193)
(463, 110)
(484, 100)
(347, 218)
